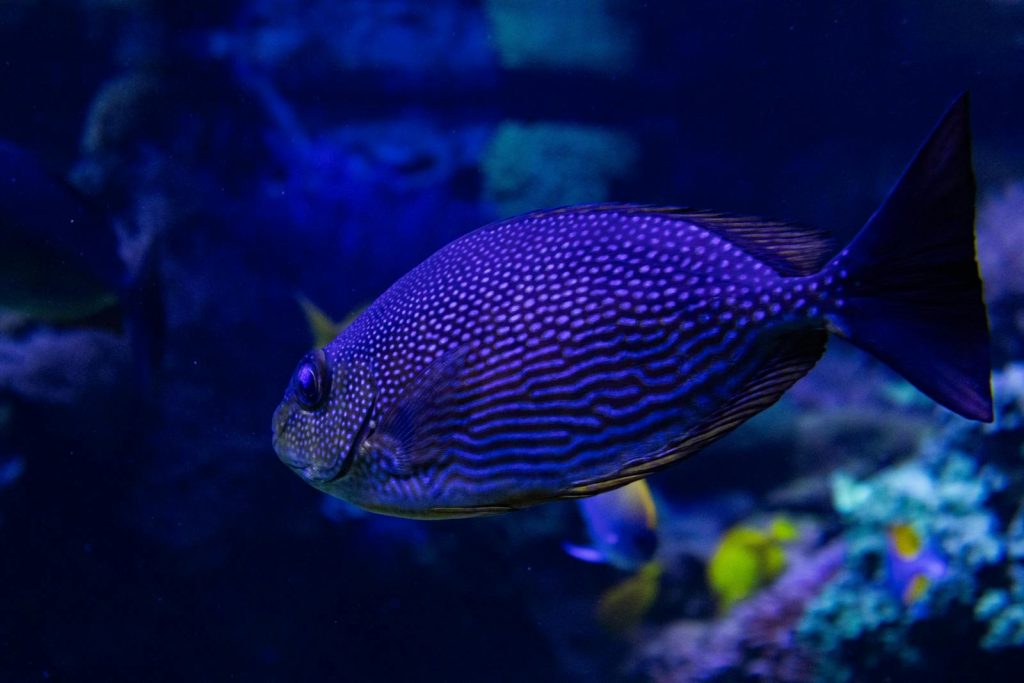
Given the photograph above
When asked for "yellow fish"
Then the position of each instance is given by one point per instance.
(623, 606)
(748, 558)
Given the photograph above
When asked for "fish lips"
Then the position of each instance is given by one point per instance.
(296, 458)
(314, 473)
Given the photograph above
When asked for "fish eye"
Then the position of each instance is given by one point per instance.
(311, 380)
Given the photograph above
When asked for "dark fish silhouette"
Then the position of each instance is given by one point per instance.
(58, 258)
(60, 262)
(568, 352)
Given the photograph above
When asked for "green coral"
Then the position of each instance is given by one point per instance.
(1003, 608)
(544, 165)
(585, 35)
(954, 495)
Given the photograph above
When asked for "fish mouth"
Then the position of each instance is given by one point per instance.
(318, 475)
(314, 473)
(288, 456)
(279, 422)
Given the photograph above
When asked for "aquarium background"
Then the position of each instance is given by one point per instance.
(265, 150)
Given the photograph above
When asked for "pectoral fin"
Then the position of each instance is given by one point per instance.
(584, 553)
(411, 433)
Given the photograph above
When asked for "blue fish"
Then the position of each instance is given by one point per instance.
(622, 525)
(567, 352)
(912, 564)
(623, 528)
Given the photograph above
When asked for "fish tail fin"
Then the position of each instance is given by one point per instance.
(623, 607)
(910, 291)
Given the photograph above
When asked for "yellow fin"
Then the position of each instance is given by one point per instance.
(905, 541)
(642, 491)
(350, 318)
(623, 606)
(321, 326)
(915, 589)
(747, 559)
(734, 570)
(323, 329)
(773, 563)
(783, 529)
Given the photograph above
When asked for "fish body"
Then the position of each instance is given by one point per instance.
(912, 565)
(549, 356)
(748, 558)
(622, 607)
(568, 352)
(622, 525)
(623, 528)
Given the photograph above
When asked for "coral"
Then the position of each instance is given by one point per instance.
(128, 117)
(1001, 241)
(1003, 608)
(1008, 390)
(543, 165)
(357, 190)
(1001, 255)
(755, 641)
(120, 113)
(68, 367)
(573, 34)
(953, 494)
(304, 43)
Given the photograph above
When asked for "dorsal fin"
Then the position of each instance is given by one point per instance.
(788, 248)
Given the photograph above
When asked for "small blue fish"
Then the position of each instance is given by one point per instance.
(623, 528)
(622, 525)
(912, 565)
(568, 352)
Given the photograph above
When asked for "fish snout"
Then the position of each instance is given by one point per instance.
(297, 450)
(280, 420)
(283, 445)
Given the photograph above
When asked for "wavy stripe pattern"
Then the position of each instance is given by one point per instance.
(593, 345)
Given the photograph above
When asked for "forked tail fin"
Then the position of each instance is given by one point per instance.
(911, 293)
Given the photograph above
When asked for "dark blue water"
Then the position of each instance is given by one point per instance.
(255, 151)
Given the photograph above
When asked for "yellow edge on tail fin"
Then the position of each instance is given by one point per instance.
(623, 606)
